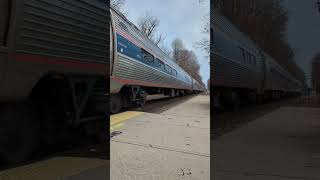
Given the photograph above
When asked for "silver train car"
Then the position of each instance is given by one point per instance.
(278, 80)
(139, 67)
(240, 70)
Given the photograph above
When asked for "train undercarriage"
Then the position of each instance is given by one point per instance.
(131, 96)
(233, 98)
(59, 110)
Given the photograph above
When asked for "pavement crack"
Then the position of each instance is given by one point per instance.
(162, 148)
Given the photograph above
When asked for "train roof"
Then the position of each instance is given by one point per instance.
(149, 44)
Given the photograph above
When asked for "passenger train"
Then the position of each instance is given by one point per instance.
(240, 70)
(139, 67)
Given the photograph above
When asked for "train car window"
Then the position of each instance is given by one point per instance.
(167, 68)
(147, 57)
(170, 70)
(175, 72)
(123, 26)
(243, 54)
(5, 8)
(162, 66)
(157, 62)
(248, 57)
(187, 79)
(253, 60)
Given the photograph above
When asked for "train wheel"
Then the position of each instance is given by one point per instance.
(177, 93)
(172, 93)
(19, 132)
(183, 93)
(115, 103)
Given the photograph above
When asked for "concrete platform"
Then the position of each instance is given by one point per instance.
(173, 144)
(60, 168)
(81, 163)
(281, 145)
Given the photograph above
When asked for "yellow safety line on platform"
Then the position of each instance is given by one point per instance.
(117, 118)
(115, 126)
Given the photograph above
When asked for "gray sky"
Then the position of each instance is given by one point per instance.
(304, 31)
(178, 19)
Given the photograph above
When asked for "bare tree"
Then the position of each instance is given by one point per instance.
(118, 5)
(166, 49)
(204, 43)
(186, 59)
(148, 25)
(177, 47)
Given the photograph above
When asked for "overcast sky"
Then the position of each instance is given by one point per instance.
(178, 19)
(304, 31)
